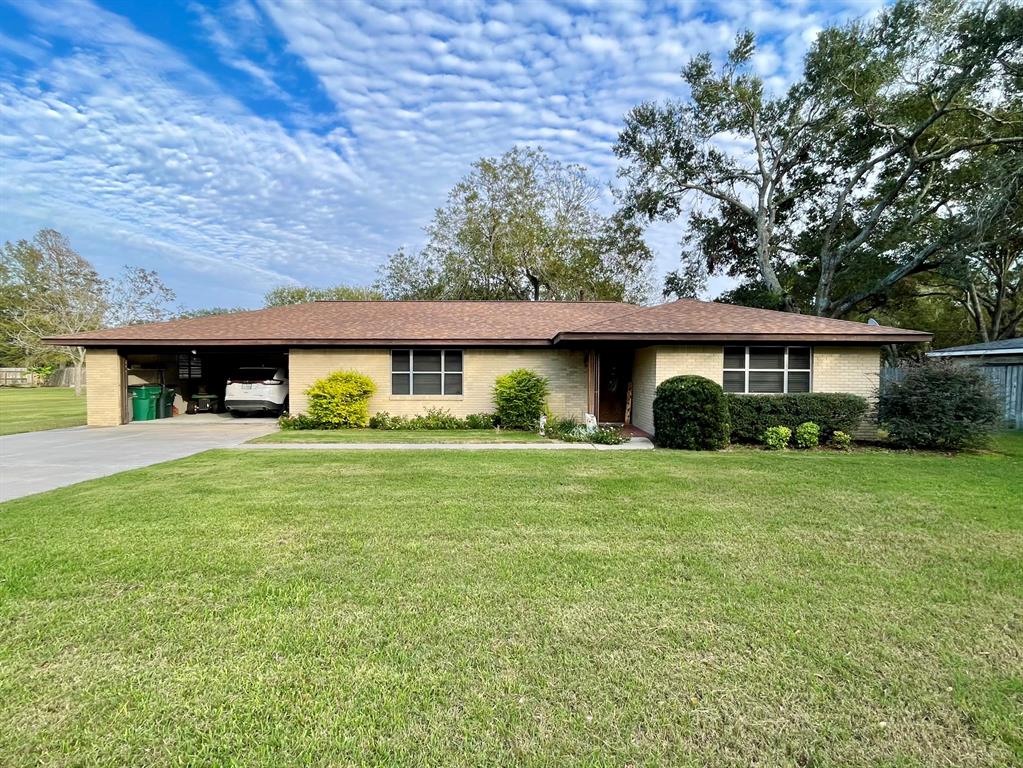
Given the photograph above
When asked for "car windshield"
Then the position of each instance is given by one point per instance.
(253, 374)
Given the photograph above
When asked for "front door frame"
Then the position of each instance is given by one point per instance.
(596, 377)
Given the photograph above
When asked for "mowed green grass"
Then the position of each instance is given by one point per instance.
(548, 608)
(25, 409)
(400, 436)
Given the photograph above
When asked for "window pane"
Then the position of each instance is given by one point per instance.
(452, 383)
(765, 381)
(771, 358)
(799, 381)
(735, 357)
(734, 381)
(399, 360)
(425, 383)
(799, 358)
(453, 360)
(426, 360)
(399, 384)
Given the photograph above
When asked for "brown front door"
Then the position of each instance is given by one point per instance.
(613, 377)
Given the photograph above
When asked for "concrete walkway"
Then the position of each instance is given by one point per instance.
(41, 461)
(635, 444)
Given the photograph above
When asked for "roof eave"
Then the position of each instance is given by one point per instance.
(904, 337)
(976, 352)
(67, 341)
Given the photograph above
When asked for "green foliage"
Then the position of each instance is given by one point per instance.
(776, 438)
(940, 405)
(875, 166)
(480, 421)
(524, 227)
(841, 441)
(690, 412)
(519, 399)
(568, 430)
(341, 400)
(433, 419)
(807, 435)
(284, 295)
(298, 421)
(752, 414)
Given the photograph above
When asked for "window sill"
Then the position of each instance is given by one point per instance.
(425, 397)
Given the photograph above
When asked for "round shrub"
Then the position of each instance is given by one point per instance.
(939, 405)
(519, 399)
(776, 438)
(841, 441)
(808, 435)
(341, 400)
(690, 412)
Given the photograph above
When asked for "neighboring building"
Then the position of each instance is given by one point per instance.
(604, 358)
(1002, 361)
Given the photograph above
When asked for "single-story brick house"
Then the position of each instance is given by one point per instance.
(605, 358)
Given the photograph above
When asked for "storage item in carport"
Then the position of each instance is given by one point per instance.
(204, 403)
(144, 402)
(166, 403)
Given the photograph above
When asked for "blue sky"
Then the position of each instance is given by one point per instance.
(240, 145)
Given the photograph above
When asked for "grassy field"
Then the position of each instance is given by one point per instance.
(549, 608)
(25, 409)
(400, 436)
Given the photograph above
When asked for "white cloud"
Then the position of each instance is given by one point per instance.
(122, 141)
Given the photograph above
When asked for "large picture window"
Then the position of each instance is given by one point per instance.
(767, 370)
(426, 372)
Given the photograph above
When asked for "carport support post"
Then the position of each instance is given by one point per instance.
(105, 388)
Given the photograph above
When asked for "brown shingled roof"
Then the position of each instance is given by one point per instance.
(687, 319)
(507, 323)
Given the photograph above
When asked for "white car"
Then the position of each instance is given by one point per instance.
(257, 389)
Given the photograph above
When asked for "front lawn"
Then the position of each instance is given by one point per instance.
(541, 608)
(31, 409)
(400, 436)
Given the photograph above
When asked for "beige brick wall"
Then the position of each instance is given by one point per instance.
(850, 369)
(104, 388)
(644, 383)
(566, 370)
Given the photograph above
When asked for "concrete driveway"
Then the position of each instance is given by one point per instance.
(40, 461)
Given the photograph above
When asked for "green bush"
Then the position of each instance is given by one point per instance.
(519, 397)
(569, 430)
(939, 405)
(751, 415)
(841, 441)
(808, 435)
(607, 436)
(341, 400)
(480, 421)
(690, 412)
(298, 421)
(776, 438)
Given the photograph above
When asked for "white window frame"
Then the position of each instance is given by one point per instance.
(444, 372)
(784, 371)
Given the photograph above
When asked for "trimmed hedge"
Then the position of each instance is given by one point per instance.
(690, 412)
(752, 415)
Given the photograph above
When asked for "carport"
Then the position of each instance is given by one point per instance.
(198, 375)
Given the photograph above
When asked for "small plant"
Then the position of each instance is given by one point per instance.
(341, 400)
(568, 430)
(691, 412)
(808, 435)
(841, 441)
(384, 420)
(298, 421)
(519, 397)
(607, 436)
(479, 421)
(776, 438)
(940, 405)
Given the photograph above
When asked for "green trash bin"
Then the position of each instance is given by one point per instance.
(144, 400)
(166, 403)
